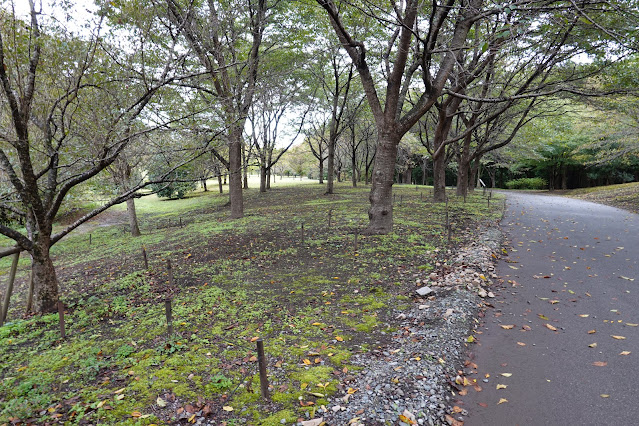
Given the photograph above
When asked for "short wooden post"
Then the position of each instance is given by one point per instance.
(401, 199)
(330, 216)
(180, 221)
(89, 239)
(61, 316)
(7, 296)
(169, 271)
(261, 360)
(302, 233)
(145, 258)
(169, 316)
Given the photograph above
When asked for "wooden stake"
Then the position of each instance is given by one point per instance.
(169, 316)
(169, 271)
(302, 233)
(7, 295)
(145, 258)
(261, 360)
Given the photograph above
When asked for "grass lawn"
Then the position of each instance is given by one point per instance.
(624, 196)
(312, 296)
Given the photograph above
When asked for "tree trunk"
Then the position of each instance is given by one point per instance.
(380, 214)
(235, 173)
(133, 217)
(330, 166)
(262, 178)
(244, 167)
(439, 178)
(321, 171)
(45, 281)
(220, 183)
(564, 177)
(408, 176)
(204, 185)
(353, 168)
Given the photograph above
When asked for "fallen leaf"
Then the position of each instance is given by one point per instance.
(507, 327)
(406, 420)
(592, 345)
(470, 339)
(632, 325)
(550, 327)
(317, 394)
(307, 361)
(605, 395)
(227, 408)
(351, 391)
(502, 386)
(303, 386)
(339, 338)
(502, 400)
(136, 414)
(482, 404)
(600, 363)
(584, 315)
(313, 422)
(119, 397)
(625, 353)
(543, 317)
(506, 374)
(592, 331)
(521, 343)
(618, 337)
(160, 402)
(253, 358)
(512, 267)
(253, 339)
(552, 302)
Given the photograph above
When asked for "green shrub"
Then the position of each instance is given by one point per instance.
(527, 183)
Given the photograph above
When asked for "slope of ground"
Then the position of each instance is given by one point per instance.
(625, 196)
(293, 271)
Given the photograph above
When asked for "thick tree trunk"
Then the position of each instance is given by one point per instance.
(45, 281)
(235, 173)
(408, 176)
(439, 178)
(133, 217)
(321, 171)
(220, 184)
(330, 166)
(354, 169)
(262, 178)
(463, 166)
(380, 214)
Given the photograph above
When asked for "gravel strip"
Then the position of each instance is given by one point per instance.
(408, 382)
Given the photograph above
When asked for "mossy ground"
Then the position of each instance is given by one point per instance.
(624, 196)
(311, 296)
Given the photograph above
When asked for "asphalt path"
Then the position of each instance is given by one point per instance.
(570, 292)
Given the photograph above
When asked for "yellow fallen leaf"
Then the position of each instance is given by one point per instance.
(605, 395)
(317, 394)
(507, 327)
(253, 358)
(512, 267)
(303, 385)
(502, 386)
(502, 400)
(617, 337)
(521, 343)
(592, 345)
(119, 397)
(632, 325)
(317, 323)
(101, 404)
(307, 361)
(160, 402)
(584, 315)
(543, 317)
(227, 408)
(592, 331)
(406, 420)
(351, 391)
(119, 390)
(470, 339)
(625, 353)
(506, 374)
(553, 302)
(600, 363)
(550, 327)
(339, 338)
(253, 339)
(136, 414)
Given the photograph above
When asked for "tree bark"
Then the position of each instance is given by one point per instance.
(330, 166)
(380, 213)
(133, 217)
(45, 280)
(235, 173)
(321, 172)
(262, 178)
(439, 178)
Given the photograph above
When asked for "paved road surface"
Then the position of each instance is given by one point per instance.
(577, 264)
